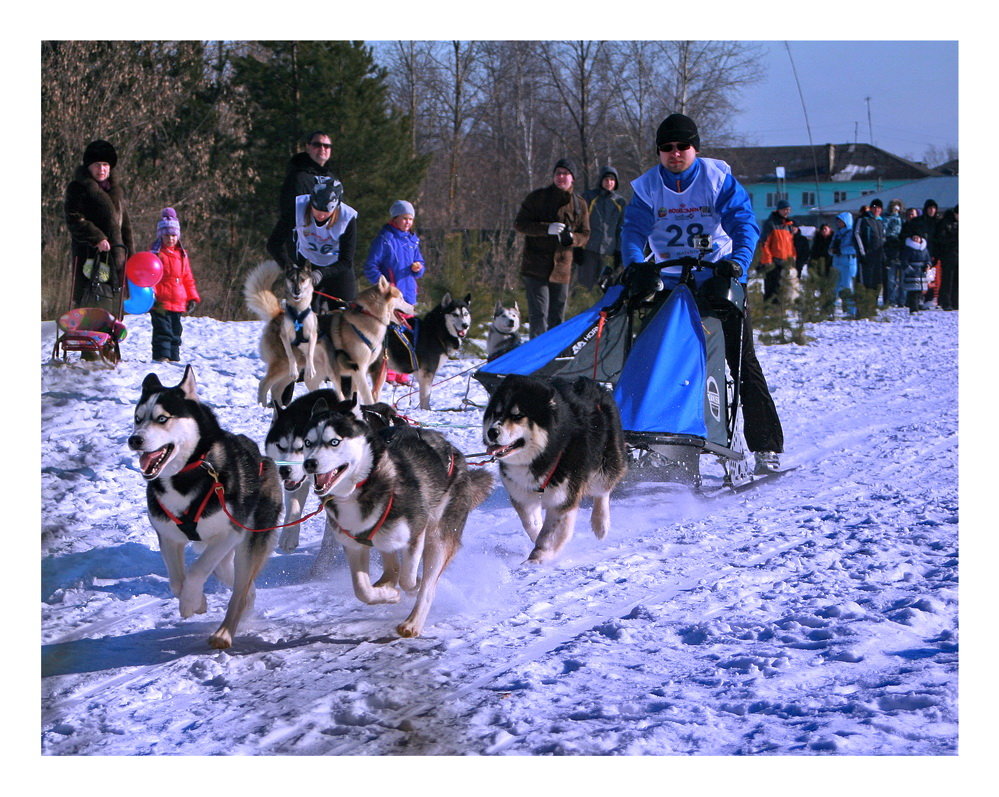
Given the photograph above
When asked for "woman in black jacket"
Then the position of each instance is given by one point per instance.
(97, 218)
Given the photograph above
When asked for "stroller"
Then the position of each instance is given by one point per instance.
(95, 326)
(661, 350)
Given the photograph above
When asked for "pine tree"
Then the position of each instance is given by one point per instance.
(336, 87)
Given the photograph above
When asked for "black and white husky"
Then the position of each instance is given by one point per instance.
(504, 331)
(405, 492)
(556, 441)
(285, 444)
(434, 336)
(198, 475)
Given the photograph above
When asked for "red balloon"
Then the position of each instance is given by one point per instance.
(144, 269)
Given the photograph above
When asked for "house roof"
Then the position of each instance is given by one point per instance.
(834, 163)
(943, 190)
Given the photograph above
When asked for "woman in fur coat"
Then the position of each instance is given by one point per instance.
(96, 216)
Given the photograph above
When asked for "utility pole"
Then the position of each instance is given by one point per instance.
(870, 127)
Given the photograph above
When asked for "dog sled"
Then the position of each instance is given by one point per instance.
(661, 351)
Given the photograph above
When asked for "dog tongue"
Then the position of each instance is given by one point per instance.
(147, 460)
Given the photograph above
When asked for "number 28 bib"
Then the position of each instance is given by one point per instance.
(681, 216)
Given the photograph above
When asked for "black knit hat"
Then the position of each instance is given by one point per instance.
(677, 127)
(567, 164)
(100, 152)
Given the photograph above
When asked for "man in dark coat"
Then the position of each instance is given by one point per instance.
(869, 234)
(553, 220)
(300, 176)
(96, 216)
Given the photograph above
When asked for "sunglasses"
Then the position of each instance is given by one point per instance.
(682, 147)
(321, 144)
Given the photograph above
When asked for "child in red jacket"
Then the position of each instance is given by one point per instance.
(176, 292)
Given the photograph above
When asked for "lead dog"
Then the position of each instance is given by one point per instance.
(406, 493)
(184, 456)
(288, 342)
(556, 441)
(435, 336)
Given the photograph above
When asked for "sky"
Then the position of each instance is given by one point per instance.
(912, 86)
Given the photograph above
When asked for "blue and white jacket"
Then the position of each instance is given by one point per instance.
(668, 209)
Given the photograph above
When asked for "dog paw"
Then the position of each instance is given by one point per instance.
(192, 604)
(289, 540)
(221, 639)
(408, 629)
(539, 556)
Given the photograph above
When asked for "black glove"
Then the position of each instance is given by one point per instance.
(642, 279)
(565, 237)
(728, 268)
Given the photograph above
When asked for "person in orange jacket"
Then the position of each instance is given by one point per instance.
(777, 250)
(175, 293)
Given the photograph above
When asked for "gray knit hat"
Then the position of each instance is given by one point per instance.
(401, 208)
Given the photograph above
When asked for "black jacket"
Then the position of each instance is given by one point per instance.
(93, 215)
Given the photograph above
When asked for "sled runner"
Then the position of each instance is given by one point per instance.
(659, 346)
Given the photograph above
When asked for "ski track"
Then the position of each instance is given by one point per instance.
(757, 625)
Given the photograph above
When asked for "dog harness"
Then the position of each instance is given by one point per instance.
(188, 521)
(297, 320)
(365, 537)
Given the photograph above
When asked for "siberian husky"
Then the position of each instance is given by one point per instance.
(185, 457)
(288, 343)
(354, 337)
(436, 335)
(405, 492)
(504, 334)
(556, 441)
(285, 444)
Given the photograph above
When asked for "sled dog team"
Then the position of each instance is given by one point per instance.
(382, 484)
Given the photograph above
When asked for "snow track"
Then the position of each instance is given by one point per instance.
(813, 614)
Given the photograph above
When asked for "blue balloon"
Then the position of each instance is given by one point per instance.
(139, 300)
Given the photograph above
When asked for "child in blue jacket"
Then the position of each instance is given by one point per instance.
(395, 252)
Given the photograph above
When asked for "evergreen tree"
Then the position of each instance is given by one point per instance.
(336, 87)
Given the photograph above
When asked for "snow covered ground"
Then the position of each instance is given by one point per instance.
(813, 616)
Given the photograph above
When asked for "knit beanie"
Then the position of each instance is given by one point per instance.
(168, 223)
(567, 164)
(401, 208)
(100, 152)
(677, 127)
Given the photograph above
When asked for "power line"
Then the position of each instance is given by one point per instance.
(808, 127)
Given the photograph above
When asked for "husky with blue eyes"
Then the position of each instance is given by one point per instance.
(208, 487)
(405, 492)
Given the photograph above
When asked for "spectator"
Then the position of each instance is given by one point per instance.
(844, 259)
(323, 234)
(176, 292)
(818, 256)
(553, 220)
(777, 251)
(915, 263)
(395, 252)
(602, 253)
(894, 293)
(724, 213)
(98, 223)
(869, 233)
(945, 238)
(301, 172)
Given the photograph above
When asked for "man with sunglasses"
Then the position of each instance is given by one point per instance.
(301, 173)
(678, 201)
